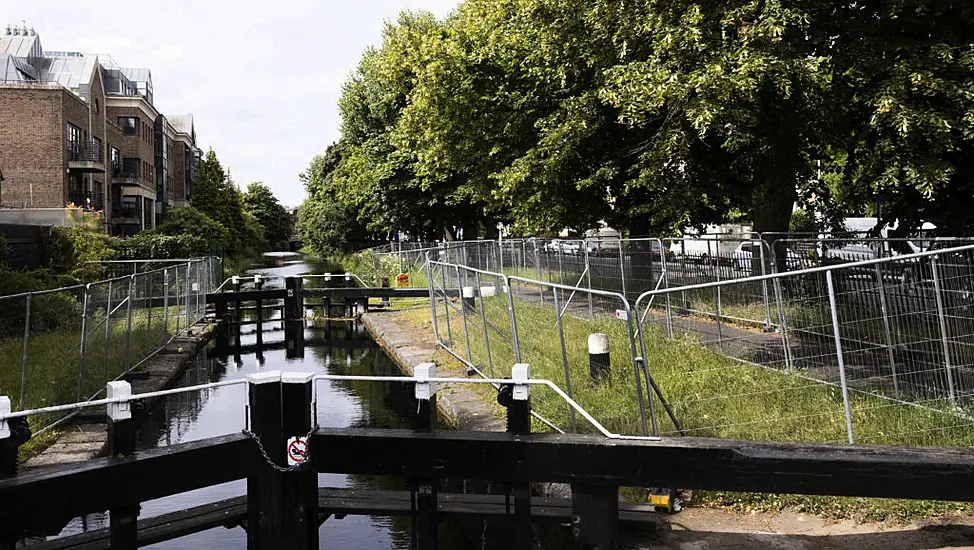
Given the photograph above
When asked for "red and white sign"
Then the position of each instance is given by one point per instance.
(621, 314)
(297, 451)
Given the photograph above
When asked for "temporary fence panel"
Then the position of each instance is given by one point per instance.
(63, 345)
(860, 356)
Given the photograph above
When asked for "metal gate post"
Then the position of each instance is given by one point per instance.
(108, 334)
(839, 355)
(537, 264)
(622, 269)
(463, 317)
(84, 330)
(165, 304)
(128, 324)
(483, 321)
(148, 296)
(886, 328)
(588, 281)
(23, 357)
(299, 488)
(941, 318)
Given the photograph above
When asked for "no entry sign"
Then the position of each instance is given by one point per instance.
(297, 450)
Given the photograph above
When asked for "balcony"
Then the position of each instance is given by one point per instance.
(86, 156)
(126, 172)
(86, 200)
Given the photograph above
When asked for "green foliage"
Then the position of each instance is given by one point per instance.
(190, 221)
(260, 202)
(655, 115)
(326, 224)
(216, 196)
(802, 221)
(158, 246)
(76, 252)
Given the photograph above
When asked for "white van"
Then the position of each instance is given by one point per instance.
(602, 241)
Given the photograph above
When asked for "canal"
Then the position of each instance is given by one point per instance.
(193, 416)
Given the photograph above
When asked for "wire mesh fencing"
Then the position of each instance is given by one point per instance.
(63, 345)
(491, 321)
(860, 354)
(871, 350)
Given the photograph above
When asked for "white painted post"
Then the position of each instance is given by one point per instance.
(520, 374)
(4, 409)
(121, 410)
(425, 389)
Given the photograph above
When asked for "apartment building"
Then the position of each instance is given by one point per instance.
(78, 130)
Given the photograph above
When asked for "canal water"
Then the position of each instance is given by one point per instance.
(198, 415)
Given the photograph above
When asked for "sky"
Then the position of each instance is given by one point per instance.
(261, 79)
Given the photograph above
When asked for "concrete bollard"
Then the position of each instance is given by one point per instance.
(598, 356)
(488, 291)
(469, 296)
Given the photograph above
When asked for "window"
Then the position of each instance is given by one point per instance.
(74, 137)
(129, 125)
(116, 157)
(97, 106)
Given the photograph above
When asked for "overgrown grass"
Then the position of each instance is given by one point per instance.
(712, 396)
(54, 367)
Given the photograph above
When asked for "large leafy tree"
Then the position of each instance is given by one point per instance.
(653, 115)
(261, 203)
(376, 174)
(328, 225)
(216, 196)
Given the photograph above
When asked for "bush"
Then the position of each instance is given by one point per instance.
(152, 245)
(802, 221)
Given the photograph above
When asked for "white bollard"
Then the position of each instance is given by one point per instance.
(598, 356)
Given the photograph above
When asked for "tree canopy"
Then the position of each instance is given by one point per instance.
(654, 115)
(261, 203)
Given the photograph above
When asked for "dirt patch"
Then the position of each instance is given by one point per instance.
(705, 528)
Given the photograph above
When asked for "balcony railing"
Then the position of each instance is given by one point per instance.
(87, 200)
(127, 169)
(85, 151)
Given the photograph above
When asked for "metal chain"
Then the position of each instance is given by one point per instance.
(270, 461)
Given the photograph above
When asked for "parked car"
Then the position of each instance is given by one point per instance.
(743, 257)
(570, 247)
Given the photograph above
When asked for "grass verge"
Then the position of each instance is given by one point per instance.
(712, 396)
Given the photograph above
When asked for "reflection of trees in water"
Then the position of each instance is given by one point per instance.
(175, 415)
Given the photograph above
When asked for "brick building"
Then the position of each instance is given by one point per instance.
(79, 130)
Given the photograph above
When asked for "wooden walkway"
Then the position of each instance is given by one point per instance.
(340, 503)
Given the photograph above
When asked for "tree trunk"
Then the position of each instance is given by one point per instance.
(771, 208)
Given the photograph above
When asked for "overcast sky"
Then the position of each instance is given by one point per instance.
(261, 78)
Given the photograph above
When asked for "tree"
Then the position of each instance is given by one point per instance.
(216, 196)
(376, 174)
(328, 225)
(190, 221)
(260, 202)
(655, 115)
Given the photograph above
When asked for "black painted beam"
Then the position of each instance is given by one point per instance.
(691, 463)
(33, 499)
(363, 292)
